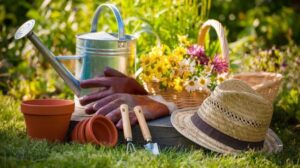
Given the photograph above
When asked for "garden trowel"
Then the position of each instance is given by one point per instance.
(150, 146)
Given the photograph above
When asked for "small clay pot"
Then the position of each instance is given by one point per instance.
(81, 132)
(74, 135)
(47, 118)
(97, 130)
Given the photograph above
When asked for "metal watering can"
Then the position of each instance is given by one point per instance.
(94, 51)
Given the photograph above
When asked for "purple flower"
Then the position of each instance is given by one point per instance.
(203, 60)
(198, 52)
(219, 65)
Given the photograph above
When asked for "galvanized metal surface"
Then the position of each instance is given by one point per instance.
(26, 31)
(152, 147)
(94, 51)
(113, 50)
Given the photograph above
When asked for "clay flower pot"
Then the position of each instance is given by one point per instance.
(97, 130)
(47, 119)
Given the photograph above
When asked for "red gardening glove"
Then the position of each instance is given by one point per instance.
(113, 82)
(110, 107)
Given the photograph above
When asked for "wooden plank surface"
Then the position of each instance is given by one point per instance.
(162, 133)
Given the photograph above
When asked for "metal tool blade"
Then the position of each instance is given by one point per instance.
(152, 147)
(127, 128)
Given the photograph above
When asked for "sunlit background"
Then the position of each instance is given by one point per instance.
(263, 36)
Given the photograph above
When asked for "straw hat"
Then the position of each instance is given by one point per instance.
(232, 119)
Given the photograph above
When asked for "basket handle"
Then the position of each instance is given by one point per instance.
(221, 36)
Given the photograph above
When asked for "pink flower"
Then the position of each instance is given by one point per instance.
(219, 65)
(198, 52)
(195, 50)
(203, 60)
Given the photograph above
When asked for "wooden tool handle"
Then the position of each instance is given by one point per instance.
(142, 122)
(126, 122)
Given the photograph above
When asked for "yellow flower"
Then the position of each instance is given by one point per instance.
(145, 61)
(159, 50)
(172, 73)
(186, 75)
(179, 52)
(160, 68)
(147, 75)
(165, 81)
(155, 57)
(165, 49)
(178, 84)
(173, 59)
(183, 39)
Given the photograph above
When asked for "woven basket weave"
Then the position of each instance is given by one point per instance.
(265, 83)
(182, 99)
(186, 99)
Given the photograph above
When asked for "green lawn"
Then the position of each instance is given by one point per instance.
(18, 151)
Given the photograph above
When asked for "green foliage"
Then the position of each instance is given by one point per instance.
(272, 22)
(253, 26)
(26, 74)
(16, 150)
(284, 60)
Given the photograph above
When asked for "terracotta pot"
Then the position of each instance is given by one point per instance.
(81, 132)
(74, 135)
(97, 130)
(47, 118)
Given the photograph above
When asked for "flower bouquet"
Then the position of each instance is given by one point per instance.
(186, 74)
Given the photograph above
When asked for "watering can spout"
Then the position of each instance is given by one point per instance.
(26, 31)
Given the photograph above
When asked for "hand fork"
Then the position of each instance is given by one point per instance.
(127, 128)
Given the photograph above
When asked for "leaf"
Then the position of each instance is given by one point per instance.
(34, 14)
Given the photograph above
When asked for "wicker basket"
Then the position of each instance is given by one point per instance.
(182, 99)
(185, 99)
(265, 83)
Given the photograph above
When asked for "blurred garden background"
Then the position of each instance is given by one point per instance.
(263, 36)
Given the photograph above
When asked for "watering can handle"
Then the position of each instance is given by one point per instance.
(118, 17)
(149, 31)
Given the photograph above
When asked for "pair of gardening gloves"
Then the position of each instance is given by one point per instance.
(119, 89)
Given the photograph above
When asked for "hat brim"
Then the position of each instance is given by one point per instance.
(181, 120)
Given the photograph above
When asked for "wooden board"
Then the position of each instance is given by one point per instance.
(162, 133)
